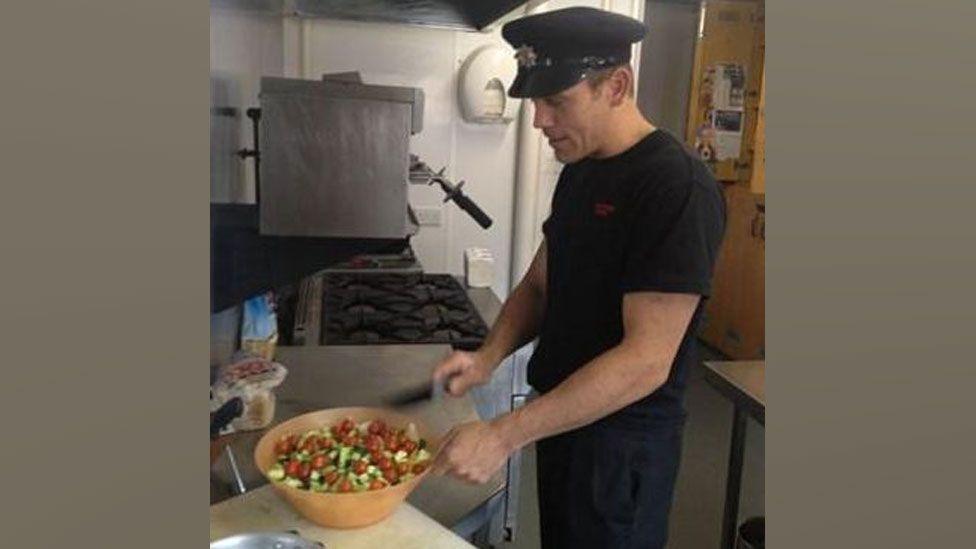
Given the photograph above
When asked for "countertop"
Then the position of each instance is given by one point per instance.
(262, 510)
(367, 375)
(741, 381)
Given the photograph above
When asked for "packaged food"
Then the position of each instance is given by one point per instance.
(253, 379)
(259, 326)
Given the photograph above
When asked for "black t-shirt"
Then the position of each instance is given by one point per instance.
(648, 219)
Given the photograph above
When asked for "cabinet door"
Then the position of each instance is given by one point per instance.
(735, 320)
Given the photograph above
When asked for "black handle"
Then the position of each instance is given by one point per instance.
(473, 210)
(224, 415)
(255, 115)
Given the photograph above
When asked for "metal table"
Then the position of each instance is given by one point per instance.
(743, 383)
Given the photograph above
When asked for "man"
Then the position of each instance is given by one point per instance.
(614, 295)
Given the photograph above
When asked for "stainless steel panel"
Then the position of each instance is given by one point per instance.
(452, 14)
(520, 365)
(513, 480)
(344, 85)
(333, 166)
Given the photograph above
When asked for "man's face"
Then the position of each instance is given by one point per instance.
(572, 120)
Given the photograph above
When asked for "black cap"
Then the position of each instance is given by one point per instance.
(557, 49)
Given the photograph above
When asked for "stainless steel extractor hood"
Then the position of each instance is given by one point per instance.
(335, 158)
(473, 15)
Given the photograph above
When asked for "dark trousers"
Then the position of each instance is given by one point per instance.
(607, 488)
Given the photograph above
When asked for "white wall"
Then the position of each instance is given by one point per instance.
(243, 48)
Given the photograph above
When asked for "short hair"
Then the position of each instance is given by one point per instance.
(597, 77)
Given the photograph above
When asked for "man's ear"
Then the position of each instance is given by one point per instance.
(618, 86)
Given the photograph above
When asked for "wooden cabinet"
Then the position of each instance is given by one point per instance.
(730, 53)
(735, 316)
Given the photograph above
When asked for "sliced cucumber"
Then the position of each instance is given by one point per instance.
(277, 472)
(344, 454)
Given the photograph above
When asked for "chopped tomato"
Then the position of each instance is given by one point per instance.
(373, 442)
(319, 462)
(293, 469)
(359, 467)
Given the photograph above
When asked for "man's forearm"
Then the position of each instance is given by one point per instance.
(517, 324)
(618, 377)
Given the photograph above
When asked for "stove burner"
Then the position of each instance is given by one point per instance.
(361, 308)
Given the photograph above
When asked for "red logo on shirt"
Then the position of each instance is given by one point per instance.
(603, 209)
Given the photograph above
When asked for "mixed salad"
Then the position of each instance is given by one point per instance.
(350, 457)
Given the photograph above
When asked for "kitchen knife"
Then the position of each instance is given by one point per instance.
(412, 396)
(417, 394)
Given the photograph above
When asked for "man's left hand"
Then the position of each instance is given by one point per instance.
(472, 452)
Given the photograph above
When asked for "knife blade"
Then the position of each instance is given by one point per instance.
(414, 395)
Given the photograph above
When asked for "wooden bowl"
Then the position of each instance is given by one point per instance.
(341, 510)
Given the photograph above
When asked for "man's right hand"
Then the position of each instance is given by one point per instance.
(462, 370)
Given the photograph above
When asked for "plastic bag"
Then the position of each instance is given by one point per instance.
(253, 379)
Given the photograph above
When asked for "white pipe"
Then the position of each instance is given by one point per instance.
(526, 186)
(306, 48)
(637, 12)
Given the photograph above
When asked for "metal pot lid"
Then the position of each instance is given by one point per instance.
(266, 540)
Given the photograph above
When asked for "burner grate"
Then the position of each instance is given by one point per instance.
(387, 308)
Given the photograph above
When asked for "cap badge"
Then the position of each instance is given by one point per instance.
(526, 56)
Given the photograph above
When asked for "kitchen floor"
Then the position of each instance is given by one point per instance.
(696, 517)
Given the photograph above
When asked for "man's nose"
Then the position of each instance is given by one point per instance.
(542, 118)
